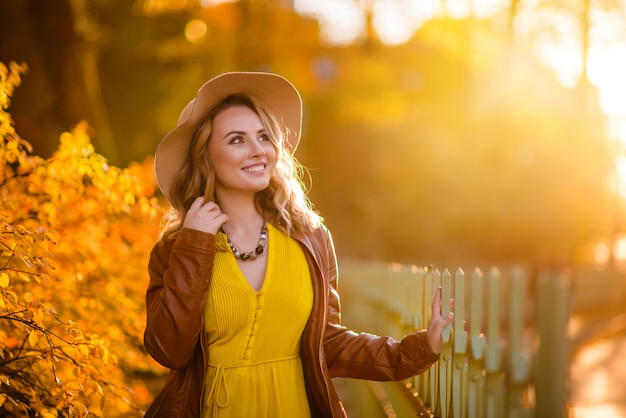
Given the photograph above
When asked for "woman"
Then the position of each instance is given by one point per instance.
(242, 305)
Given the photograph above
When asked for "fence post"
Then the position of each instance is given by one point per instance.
(552, 357)
(459, 363)
(445, 357)
(433, 279)
(493, 359)
(476, 390)
(417, 293)
(420, 321)
(518, 363)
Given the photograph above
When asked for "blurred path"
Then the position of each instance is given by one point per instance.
(598, 371)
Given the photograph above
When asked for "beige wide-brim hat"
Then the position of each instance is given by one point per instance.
(273, 90)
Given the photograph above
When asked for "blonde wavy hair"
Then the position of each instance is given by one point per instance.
(284, 202)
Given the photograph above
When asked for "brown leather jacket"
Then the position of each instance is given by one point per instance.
(180, 272)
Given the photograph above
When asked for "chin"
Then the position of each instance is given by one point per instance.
(259, 187)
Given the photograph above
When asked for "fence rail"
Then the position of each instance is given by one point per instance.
(505, 355)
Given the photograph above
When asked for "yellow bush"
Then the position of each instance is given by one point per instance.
(75, 234)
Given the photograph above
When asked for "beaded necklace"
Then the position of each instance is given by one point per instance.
(252, 255)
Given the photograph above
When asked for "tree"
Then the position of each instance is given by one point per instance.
(42, 35)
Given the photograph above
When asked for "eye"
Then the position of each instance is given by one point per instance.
(238, 139)
(264, 138)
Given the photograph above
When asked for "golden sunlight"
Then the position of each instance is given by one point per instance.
(619, 249)
(601, 253)
(620, 163)
(394, 25)
(593, 377)
(343, 22)
(563, 57)
(195, 30)
(607, 66)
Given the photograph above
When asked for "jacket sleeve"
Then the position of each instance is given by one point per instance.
(363, 355)
(180, 270)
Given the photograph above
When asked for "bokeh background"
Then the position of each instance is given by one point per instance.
(446, 132)
(434, 131)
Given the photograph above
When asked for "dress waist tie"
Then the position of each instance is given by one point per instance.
(218, 396)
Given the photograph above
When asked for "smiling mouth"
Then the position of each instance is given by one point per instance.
(255, 169)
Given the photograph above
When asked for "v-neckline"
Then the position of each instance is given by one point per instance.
(268, 265)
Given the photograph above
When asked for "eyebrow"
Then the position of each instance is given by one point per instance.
(243, 132)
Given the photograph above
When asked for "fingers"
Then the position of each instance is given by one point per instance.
(437, 306)
(438, 322)
(435, 310)
(196, 204)
(200, 203)
(205, 216)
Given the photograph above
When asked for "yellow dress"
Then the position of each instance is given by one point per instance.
(253, 349)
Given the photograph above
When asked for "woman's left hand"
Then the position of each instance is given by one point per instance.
(437, 323)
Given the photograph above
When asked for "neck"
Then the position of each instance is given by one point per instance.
(243, 216)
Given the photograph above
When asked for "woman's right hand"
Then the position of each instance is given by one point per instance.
(204, 216)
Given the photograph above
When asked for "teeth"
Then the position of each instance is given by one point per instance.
(255, 168)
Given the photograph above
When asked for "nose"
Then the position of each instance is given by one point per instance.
(256, 149)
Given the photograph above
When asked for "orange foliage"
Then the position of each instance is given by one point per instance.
(75, 234)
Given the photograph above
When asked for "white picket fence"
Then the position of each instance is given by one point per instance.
(505, 355)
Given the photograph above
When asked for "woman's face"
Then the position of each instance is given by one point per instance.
(241, 152)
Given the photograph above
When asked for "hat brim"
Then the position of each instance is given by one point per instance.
(273, 90)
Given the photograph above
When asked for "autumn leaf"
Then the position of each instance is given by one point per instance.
(33, 338)
(4, 280)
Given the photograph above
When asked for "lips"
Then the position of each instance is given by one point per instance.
(255, 168)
